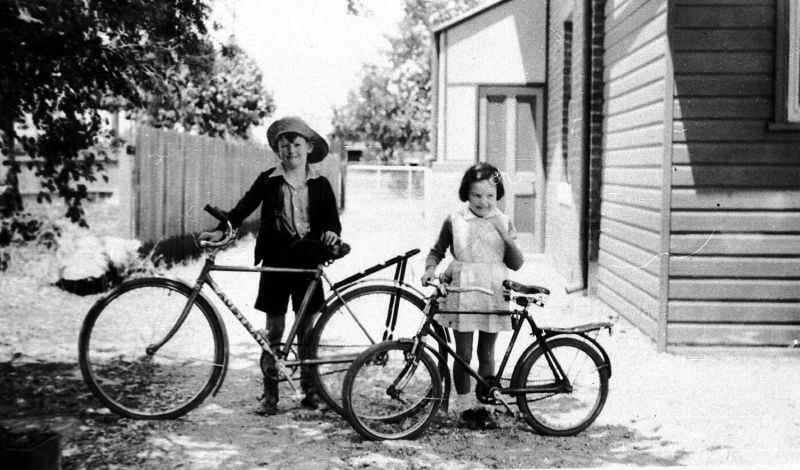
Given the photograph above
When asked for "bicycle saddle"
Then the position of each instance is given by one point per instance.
(524, 288)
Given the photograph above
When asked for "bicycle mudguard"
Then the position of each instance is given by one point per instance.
(551, 333)
(580, 331)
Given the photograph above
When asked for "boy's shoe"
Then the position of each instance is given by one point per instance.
(270, 397)
(268, 408)
(310, 401)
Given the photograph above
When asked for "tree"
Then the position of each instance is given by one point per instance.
(65, 61)
(393, 104)
(218, 93)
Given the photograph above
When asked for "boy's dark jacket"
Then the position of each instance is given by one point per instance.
(272, 243)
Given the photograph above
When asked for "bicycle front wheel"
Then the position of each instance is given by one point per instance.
(122, 364)
(388, 393)
(561, 413)
(364, 316)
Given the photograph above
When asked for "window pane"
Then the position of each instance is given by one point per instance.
(496, 131)
(526, 133)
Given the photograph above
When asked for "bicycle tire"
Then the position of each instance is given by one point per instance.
(124, 376)
(370, 405)
(587, 375)
(336, 337)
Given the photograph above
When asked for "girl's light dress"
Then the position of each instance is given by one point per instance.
(478, 252)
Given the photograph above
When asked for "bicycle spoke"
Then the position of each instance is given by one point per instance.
(387, 397)
(571, 411)
(338, 337)
(117, 335)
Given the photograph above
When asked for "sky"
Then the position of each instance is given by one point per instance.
(310, 51)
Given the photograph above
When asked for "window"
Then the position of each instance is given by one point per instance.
(787, 66)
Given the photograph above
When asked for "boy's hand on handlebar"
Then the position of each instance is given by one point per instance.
(213, 236)
(329, 238)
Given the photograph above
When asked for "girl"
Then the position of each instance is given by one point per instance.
(481, 240)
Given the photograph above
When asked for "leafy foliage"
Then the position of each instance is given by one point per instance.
(63, 59)
(217, 93)
(392, 106)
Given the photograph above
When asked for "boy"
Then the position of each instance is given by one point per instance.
(296, 202)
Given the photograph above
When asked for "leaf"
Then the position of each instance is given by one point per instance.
(24, 15)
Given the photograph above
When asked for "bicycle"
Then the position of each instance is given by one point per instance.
(394, 389)
(155, 348)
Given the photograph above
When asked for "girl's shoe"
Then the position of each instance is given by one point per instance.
(478, 418)
(484, 419)
(467, 419)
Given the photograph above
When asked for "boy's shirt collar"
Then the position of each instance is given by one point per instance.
(311, 172)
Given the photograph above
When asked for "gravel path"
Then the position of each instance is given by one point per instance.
(663, 409)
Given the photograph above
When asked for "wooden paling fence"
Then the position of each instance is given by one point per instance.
(176, 174)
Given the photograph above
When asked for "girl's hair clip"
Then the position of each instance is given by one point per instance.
(496, 178)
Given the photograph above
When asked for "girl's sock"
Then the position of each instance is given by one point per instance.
(461, 403)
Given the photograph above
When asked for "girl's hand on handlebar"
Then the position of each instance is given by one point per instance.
(213, 236)
(430, 274)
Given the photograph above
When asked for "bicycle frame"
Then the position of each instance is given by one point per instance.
(317, 274)
(561, 383)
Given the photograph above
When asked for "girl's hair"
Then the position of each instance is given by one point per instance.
(479, 172)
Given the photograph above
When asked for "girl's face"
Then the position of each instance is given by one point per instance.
(482, 197)
(293, 151)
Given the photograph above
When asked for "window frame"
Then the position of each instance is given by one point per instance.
(793, 73)
(787, 67)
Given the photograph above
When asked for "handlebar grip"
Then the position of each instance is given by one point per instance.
(216, 213)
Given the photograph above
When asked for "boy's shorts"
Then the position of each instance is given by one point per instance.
(274, 290)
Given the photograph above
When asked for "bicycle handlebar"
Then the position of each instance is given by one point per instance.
(216, 213)
(442, 288)
(230, 232)
(513, 292)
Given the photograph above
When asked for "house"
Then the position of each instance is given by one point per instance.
(671, 156)
(489, 78)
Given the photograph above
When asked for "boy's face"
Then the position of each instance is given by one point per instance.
(293, 151)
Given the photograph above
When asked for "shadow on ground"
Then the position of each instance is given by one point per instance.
(225, 432)
(53, 396)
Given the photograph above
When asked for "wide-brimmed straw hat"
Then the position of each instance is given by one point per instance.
(297, 126)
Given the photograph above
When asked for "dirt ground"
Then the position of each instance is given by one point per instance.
(663, 409)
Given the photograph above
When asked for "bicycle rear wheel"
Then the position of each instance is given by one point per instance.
(562, 413)
(365, 316)
(136, 382)
(389, 394)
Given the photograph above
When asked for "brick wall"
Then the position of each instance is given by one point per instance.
(595, 136)
(574, 145)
